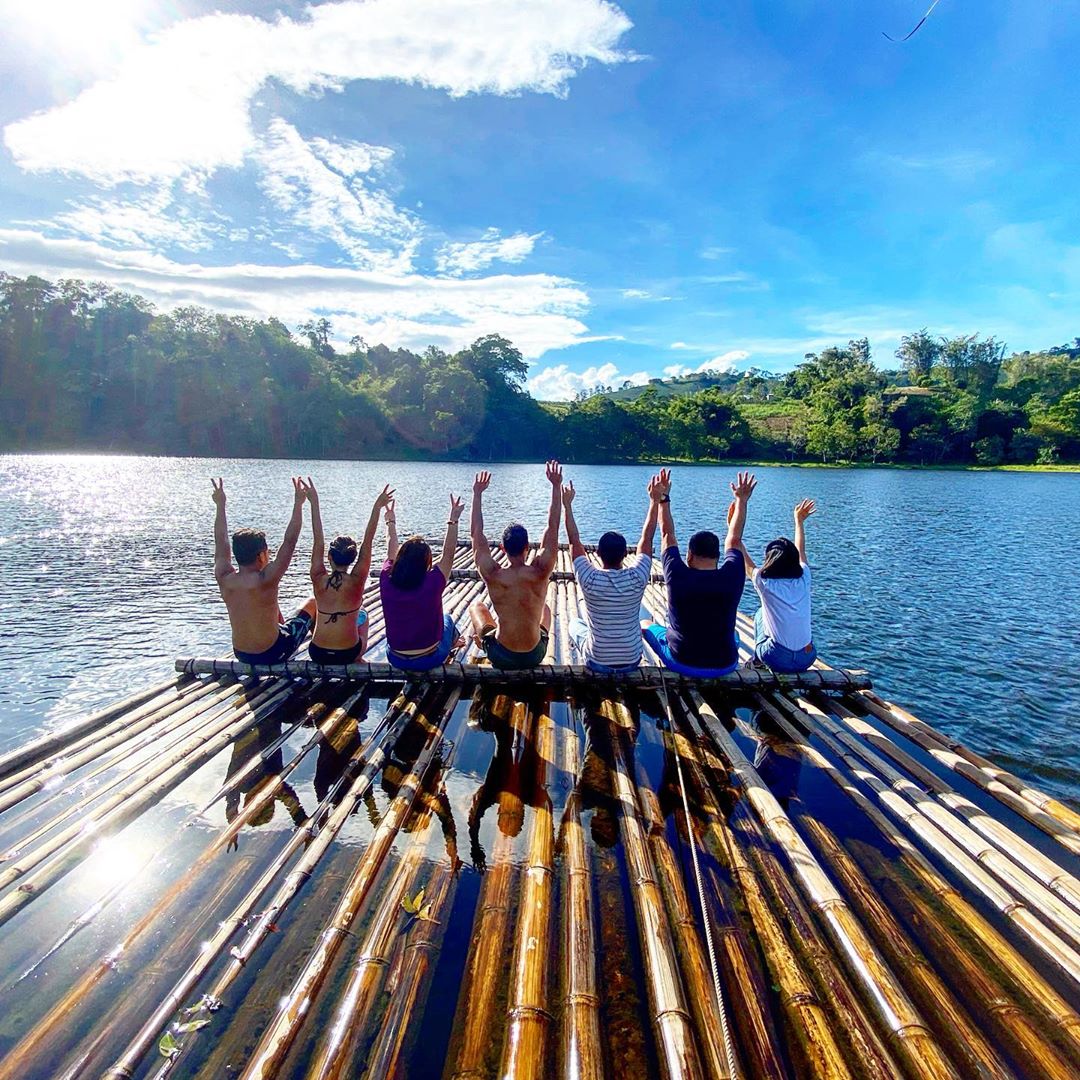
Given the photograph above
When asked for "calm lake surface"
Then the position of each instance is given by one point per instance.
(958, 591)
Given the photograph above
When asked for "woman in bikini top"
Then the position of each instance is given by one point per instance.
(341, 629)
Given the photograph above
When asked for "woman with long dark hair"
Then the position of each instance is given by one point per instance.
(783, 639)
(418, 635)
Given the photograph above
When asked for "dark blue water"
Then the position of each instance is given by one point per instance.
(958, 591)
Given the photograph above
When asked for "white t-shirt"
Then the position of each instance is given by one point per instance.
(785, 608)
(613, 609)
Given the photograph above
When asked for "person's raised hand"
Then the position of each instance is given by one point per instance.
(660, 485)
(457, 505)
(805, 509)
(219, 491)
(744, 487)
(384, 498)
(311, 493)
(299, 490)
(554, 474)
(568, 494)
(389, 514)
(480, 484)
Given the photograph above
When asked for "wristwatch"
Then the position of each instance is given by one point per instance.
(665, 497)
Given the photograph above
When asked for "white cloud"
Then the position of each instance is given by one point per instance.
(716, 252)
(537, 312)
(636, 294)
(467, 258)
(311, 182)
(717, 365)
(559, 383)
(181, 104)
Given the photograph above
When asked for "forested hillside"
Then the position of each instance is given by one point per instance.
(83, 366)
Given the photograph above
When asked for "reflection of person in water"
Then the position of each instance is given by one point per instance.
(336, 751)
(511, 777)
(775, 760)
(253, 743)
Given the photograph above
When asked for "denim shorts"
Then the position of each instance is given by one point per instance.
(778, 657)
(428, 660)
(656, 636)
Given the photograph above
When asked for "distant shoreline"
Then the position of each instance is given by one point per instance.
(904, 466)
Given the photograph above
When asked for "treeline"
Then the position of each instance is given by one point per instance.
(83, 366)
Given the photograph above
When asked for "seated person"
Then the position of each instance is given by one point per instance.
(703, 594)
(782, 632)
(610, 641)
(250, 590)
(341, 621)
(418, 635)
(516, 635)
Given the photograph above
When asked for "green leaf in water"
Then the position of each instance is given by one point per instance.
(424, 913)
(192, 1025)
(413, 906)
(168, 1046)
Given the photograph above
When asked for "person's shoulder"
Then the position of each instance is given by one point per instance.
(387, 566)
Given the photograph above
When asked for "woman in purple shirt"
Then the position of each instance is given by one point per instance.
(418, 635)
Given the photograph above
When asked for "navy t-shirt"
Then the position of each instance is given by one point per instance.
(701, 610)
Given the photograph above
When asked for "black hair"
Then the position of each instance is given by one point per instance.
(248, 545)
(515, 539)
(412, 563)
(612, 549)
(343, 551)
(705, 545)
(781, 560)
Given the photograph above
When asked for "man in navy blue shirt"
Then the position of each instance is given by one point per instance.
(703, 592)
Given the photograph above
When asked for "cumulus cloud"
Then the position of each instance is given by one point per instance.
(182, 102)
(536, 311)
(717, 365)
(469, 257)
(559, 383)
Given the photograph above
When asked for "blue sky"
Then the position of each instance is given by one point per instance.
(623, 190)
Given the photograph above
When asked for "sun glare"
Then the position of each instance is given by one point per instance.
(75, 28)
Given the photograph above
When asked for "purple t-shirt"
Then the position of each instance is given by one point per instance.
(701, 610)
(414, 617)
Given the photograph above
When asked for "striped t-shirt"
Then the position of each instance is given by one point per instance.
(613, 609)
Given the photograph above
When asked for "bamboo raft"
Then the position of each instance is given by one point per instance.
(751, 876)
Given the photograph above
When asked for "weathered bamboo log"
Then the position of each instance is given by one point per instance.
(916, 807)
(279, 1036)
(479, 1036)
(1025, 982)
(315, 836)
(1049, 814)
(526, 1048)
(672, 1023)
(915, 1044)
(580, 1054)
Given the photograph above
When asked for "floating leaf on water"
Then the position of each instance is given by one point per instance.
(168, 1046)
(424, 913)
(413, 906)
(192, 1025)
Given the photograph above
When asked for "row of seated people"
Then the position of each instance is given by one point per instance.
(513, 630)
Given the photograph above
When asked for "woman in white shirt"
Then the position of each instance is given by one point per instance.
(783, 639)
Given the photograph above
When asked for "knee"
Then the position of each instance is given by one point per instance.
(309, 608)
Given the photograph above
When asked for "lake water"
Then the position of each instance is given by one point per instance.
(958, 591)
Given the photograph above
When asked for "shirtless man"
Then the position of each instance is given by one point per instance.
(259, 634)
(517, 635)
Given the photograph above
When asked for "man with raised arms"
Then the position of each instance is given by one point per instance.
(250, 589)
(516, 636)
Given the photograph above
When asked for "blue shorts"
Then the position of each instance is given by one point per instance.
(656, 636)
(778, 657)
(428, 660)
(290, 638)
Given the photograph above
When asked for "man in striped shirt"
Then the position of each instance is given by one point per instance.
(613, 591)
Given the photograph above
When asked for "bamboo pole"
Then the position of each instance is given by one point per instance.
(276, 1041)
(917, 810)
(916, 1046)
(526, 1048)
(580, 1045)
(1025, 980)
(671, 1021)
(315, 836)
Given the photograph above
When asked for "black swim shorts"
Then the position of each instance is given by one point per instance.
(290, 638)
(508, 659)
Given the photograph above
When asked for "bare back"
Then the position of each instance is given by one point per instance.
(518, 594)
(251, 597)
(338, 597)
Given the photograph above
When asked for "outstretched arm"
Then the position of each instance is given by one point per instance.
(485, 563)
(222, 554)
(802, 512)
(741, 492)
(573, 537)
(748, 564)
(318, 540)
(392, 543)
(662, 485)
(363, 560)
(449, 544)
(275, 569)
(648, 530)
(549, 544)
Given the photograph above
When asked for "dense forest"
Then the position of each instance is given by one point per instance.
(85, 367)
